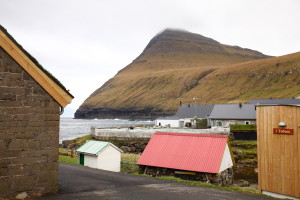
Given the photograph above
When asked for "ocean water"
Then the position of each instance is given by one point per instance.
(72, 128)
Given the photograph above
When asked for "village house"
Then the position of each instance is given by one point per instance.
(204, 157)
(31, 101)
(223, 115)
(100, 155)
(185, 116)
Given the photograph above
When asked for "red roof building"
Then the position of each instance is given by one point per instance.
(207, 153)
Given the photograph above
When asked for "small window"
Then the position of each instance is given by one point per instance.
(247, 122)
(219, 123)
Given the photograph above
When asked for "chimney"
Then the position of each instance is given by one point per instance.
(240, 105)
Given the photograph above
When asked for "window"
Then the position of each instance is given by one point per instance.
(219, 123)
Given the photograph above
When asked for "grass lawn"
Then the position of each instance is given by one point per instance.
(68, 159)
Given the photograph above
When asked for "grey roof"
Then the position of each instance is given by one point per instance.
(233, 111)
(192, 110)
(275, 101)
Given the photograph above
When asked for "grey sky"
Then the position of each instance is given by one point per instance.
(85, 42)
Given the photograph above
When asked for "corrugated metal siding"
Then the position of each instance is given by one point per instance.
(92, 147)
(191, 152)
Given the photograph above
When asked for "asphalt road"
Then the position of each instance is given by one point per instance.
(77, 182)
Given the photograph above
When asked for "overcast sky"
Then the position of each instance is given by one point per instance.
(84, 43)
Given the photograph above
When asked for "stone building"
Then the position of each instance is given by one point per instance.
(31, 101)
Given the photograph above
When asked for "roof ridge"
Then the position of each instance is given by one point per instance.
(35, 61)
(191, 134)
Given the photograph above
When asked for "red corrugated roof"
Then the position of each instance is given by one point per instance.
(185, 151)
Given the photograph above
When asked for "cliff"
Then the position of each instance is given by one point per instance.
(177, 66)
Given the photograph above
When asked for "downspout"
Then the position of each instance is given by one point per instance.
(61, 110)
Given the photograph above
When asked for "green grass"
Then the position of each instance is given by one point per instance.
(249, 190)
(242, 127)
(68, 159)
(128, 163)
(82, 140)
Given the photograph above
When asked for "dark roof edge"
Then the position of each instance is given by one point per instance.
(35, 61)
(261, 105)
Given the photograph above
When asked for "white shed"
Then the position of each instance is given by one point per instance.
(100, 155)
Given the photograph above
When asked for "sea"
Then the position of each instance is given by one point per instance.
(72, 128)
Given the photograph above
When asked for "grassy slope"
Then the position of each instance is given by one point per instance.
(162, 87)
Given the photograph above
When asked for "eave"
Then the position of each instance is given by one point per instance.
(62, 96)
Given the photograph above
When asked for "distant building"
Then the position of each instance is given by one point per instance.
(185, 115)
(31, 101)
(205, 156)
(100, 155)
(275, 101)
(223, 115)
(171, 121)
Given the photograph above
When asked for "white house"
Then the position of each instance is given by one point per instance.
(223, 115)
(171, 121)
(100, 155)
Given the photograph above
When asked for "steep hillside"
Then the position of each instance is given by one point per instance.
(177, 66)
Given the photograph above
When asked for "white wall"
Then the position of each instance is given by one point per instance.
(226, 160)
(109, 159)
(226, 123)
(167, 122)
(90, 161)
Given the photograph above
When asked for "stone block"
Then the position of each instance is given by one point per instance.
(20, 170)
(9, 154)
(17, 145)
(50, 135)
(45, 167)
(51, 117)
(48, 179)
(3, 171)
(8, 97)
(8, 124)
(5, 186)
(32, 144)
(29, 160)
(52, 158)
(5, 162)
(19, 91)
(23, 183)
(39, 90)
(2, 146)
(6, 118)
(25, 135)
(4, 90)
(10, 104)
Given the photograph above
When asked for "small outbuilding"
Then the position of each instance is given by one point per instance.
(100, 155)
(204, 157)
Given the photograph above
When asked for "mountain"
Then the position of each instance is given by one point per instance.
(177, 66)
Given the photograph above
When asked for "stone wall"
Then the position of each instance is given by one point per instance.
(29, 131)
(224, 178)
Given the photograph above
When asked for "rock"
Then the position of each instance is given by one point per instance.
(22, 195)
(242, 183)
(237, 152)
(124, 148)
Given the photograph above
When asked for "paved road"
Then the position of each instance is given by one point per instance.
(77, 182)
